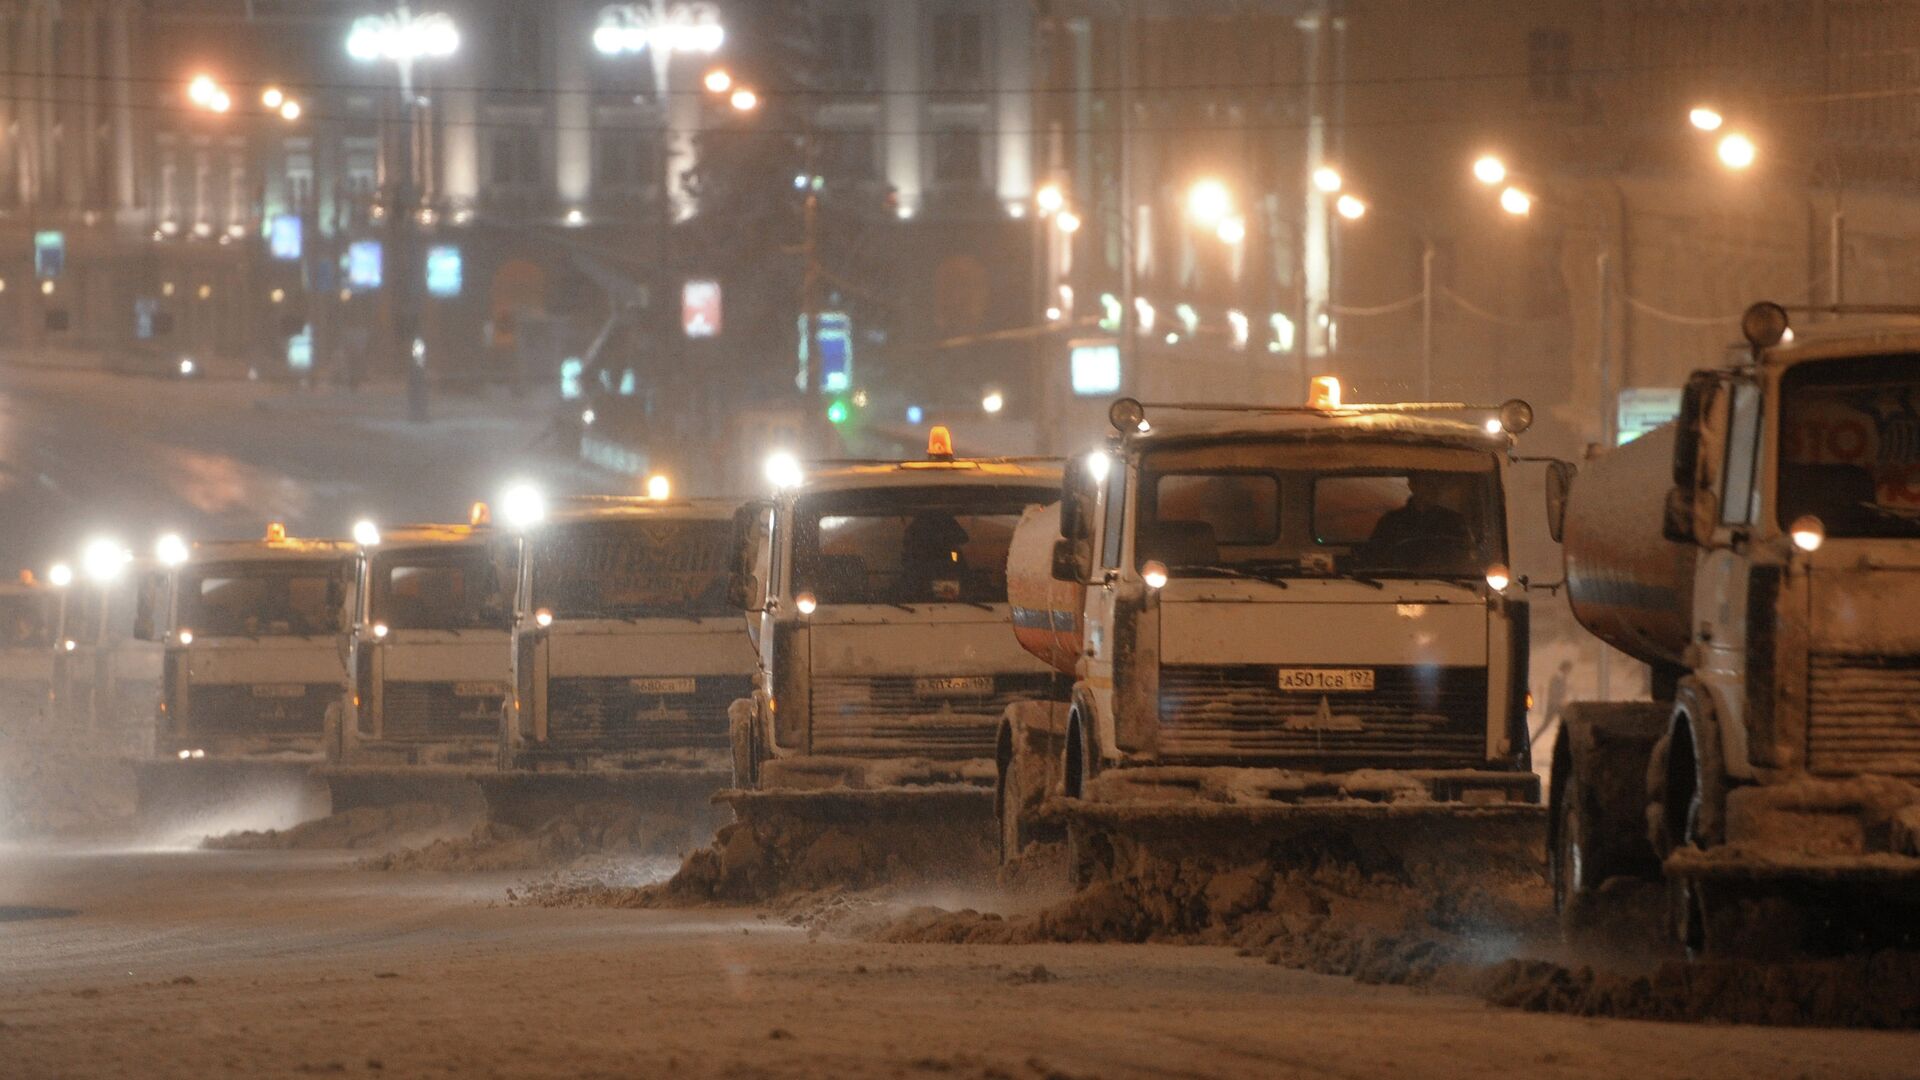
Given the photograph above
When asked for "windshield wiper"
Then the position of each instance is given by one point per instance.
(1235, 572)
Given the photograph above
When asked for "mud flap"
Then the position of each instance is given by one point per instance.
(353, 787)
(223, 794)
(788, 840)
(527, 799)
(1428, 844)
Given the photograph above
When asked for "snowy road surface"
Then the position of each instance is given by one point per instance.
(195, 964)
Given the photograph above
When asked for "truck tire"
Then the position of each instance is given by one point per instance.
(1010, 807)
(743, 744)
(1597, 807)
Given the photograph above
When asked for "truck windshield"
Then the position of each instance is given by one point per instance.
(1850, 446)
(656, 567)
(458, 588)
(909, 545)
(1290, 510)
(282, 598)
(26, 621)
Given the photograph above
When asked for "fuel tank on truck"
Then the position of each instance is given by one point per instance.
(1046, 613)
(1627, 583)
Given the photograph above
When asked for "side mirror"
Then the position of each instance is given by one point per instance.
(1678, 523)
(1693, 410)
(1071, 563)
(1560, 476)
(744, 592)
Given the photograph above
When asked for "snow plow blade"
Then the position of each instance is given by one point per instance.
(1780, 906)
(1426, 844)
(787, 840)
(354, 787)
(217, 795)
(528, 799)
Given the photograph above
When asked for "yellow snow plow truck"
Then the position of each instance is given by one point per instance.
(1293, 640)
(1762, 555)
(877, 596)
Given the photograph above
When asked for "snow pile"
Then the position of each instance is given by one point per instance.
(590, 829)
(358, 829)
(840, 840)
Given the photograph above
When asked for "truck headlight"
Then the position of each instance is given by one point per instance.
(1499, 577)
(806, 603)
(543, 618)
(1808, 533)
(184, 637)
(379, 629)
(1154, 573)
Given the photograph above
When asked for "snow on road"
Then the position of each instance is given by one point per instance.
(193, 964)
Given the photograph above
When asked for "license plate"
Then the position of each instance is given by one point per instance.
(279, 690)
(954, 686)
(1326, 680)
(479, 689)
(661, 686)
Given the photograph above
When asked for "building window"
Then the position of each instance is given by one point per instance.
(957, 158)
(519, 43)
(847, 51)
(514, 159)
(848, 154)
(363, 166)
(624, 161)
(299, 179)
(1549, 65)
(959, 51)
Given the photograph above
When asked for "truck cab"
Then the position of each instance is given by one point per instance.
(625, 653)
(255, 633)
(29, 636)
(1281, 605)
(878, 596)
(431, 645)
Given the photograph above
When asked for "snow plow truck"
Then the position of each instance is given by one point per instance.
(1292, 638)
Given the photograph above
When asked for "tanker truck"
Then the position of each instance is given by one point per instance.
(1761, 554)
(1288, 630)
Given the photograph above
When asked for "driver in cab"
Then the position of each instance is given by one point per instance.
(1422, 532)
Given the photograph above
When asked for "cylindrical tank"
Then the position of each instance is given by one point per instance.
(1628, 584)
(1046, 613)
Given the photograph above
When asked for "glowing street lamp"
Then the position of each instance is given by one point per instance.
(660, 28)
(1704, 118)
(1516, 202)
(273, 97)
(1737, 151)
(201, 90)
(1351, 207)
(744, 100)
(1209, 202)
(1328, 180)
(1067, 222)
(1489, 170)
(1050, 199)
(403, 39)
(1233, 231)
(290, 111)
(718, 81)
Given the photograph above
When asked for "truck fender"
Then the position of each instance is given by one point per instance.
(1600, 762)
(1687, 779)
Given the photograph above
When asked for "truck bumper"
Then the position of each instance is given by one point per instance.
(1437, 790)
(1860, 829)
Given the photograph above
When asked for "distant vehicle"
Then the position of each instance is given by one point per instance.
(878, 596)
(430, 661)
(1277, 622)
(29, 628)
(256, 648)
(1760, 555)
(625, 656)
(107, 681)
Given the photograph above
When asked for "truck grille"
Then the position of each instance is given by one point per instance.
(607, 714)
(1413, 718)
(908, 716)
(420, 711)
(239, 710)
(1864, 714)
